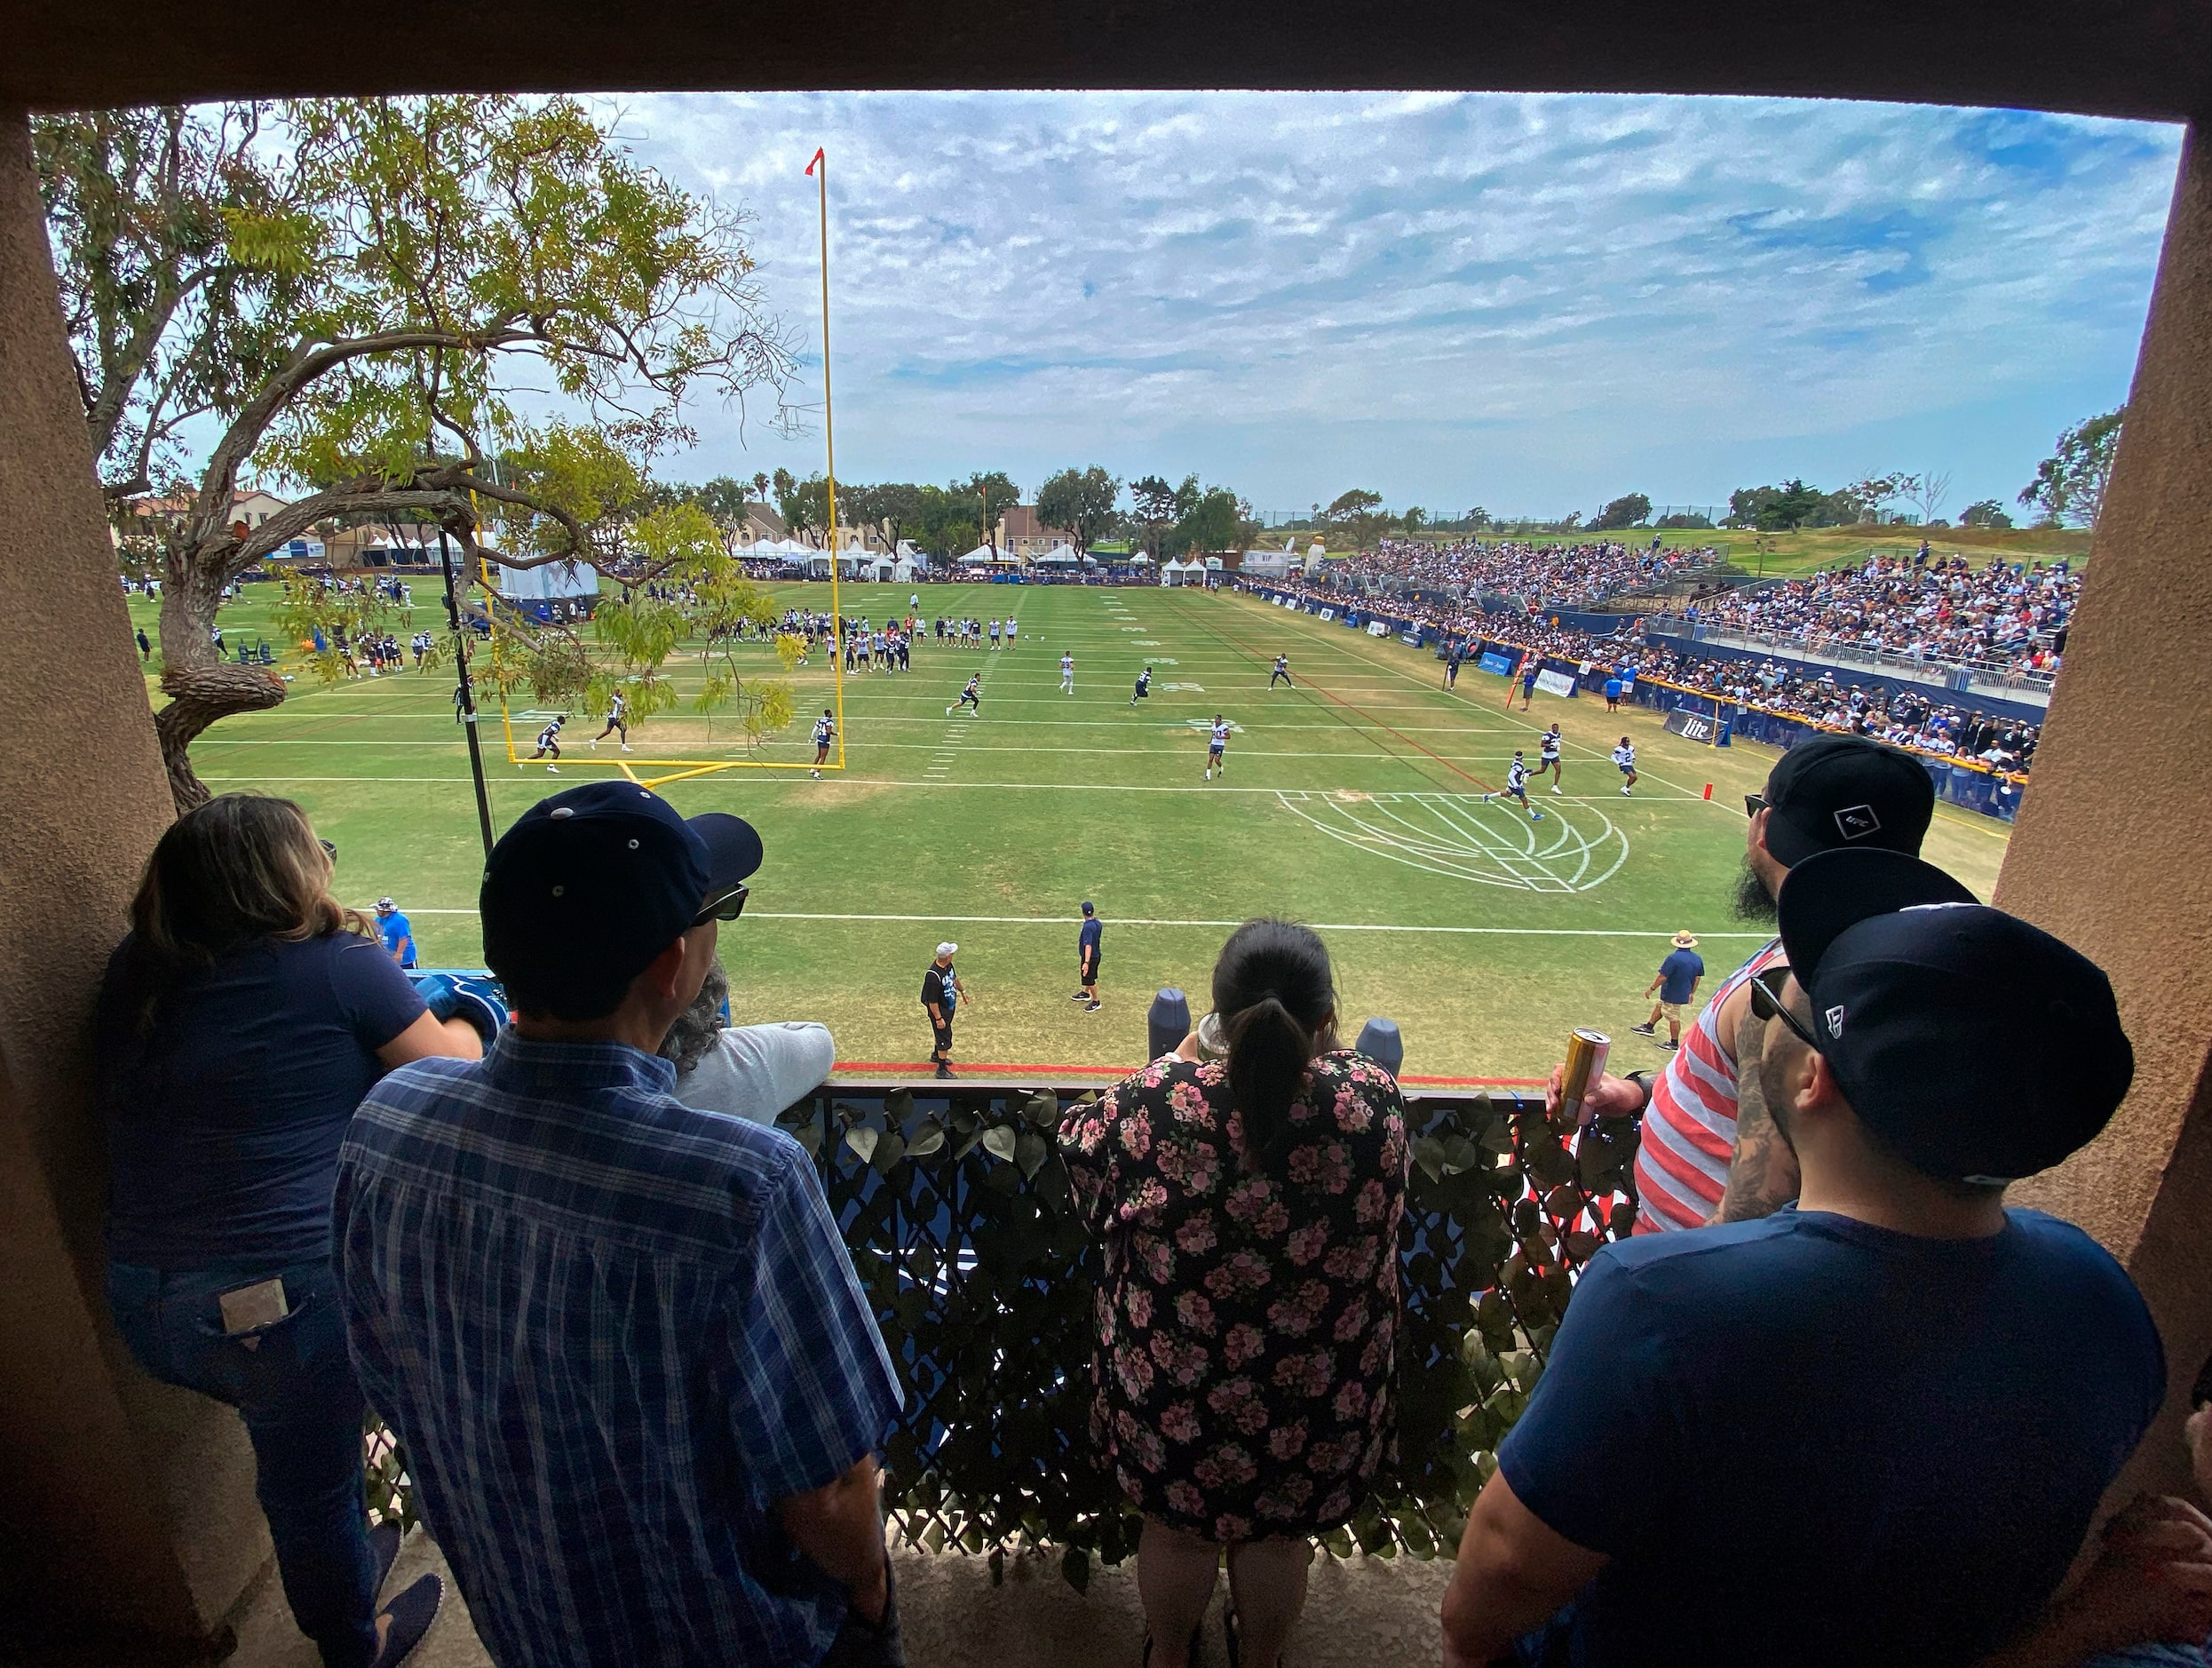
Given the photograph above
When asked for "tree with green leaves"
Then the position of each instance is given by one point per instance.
(1153, 509)
(1207, 522)
(1629, 510)
(2069, 485)
(388, 276)
(803, 504)
(1985, 513)
(1081, 501)
(1359, 515)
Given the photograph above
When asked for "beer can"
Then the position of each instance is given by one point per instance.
(1586, 1052)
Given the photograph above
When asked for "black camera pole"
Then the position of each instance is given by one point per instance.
(465, 695)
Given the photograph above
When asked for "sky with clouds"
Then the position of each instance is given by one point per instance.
(1528, 303)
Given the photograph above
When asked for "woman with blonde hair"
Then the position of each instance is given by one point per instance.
(1248, 1191)
(241, 1022)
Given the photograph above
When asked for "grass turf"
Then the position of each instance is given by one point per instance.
(1351, 801)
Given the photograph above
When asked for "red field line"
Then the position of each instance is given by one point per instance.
(1125, 1071)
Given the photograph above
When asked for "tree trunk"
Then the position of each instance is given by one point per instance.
(202, 689)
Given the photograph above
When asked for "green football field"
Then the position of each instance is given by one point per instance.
(1351, 802)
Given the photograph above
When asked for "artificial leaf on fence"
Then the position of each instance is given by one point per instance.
(862, 1140)
(1000, 1140)
(927, 1139)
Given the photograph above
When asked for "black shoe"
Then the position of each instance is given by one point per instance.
(384, 1549)
(1078, 997)
(412, 1614)
(944, 1068)
(1644, 1030)
(1093, 1008)
(1672, 1042)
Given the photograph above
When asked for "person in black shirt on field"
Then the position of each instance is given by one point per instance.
(941, 991)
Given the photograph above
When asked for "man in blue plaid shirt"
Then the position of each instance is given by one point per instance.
(638, 1384)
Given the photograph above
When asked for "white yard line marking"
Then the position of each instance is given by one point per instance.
(1046, 787)
(1319, 926)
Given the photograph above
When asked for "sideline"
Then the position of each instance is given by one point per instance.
(925, 1067)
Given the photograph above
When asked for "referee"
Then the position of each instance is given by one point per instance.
(941, 991)
(1086, 958)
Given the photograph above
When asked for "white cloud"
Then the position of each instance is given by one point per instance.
(1528, 302)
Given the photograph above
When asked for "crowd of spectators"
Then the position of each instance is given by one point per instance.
(1826, 700)
(1564, 576)
(609, 1310)
(2008, 614)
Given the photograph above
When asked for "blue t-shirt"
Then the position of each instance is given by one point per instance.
(1678, 975)
(1806, 1440)
(1088, 939)
(1613, 688)
(395, 929)
(224, 1122)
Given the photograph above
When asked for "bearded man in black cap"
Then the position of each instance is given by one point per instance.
(639, 1387)
(1709, 1152)
(1859, 1430)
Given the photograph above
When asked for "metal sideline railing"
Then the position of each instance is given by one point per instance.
(959, 1216)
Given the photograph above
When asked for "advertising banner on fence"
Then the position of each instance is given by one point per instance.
(1376, 628)
(1492, 661)
(1556, 683)
(1329, 614)
(1696, 727)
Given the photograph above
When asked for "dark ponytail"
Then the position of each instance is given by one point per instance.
(1277, 1002)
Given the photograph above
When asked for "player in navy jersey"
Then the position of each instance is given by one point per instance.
(972, 697)
(549, 742)
(825, 731)
(1144, 686)
(1517, 788)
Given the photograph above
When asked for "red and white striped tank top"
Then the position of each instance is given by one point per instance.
(1689, 1127)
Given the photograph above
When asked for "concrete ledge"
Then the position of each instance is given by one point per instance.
(1362, 1612)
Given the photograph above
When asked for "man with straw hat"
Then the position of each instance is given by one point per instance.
(1677, 983)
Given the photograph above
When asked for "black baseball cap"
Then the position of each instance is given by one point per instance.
(1840, 792)
(1977, 1047)
(588, 887)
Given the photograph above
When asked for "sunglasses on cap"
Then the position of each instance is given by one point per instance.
(328, 850)
(723, 905)
(1766, 1004)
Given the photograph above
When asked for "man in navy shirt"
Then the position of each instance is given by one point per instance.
(1086, 958)
(1857, 1431)
(1677, 983)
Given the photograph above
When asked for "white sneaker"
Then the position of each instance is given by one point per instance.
(1556, 788)
(593, 744)
(552, 770)
(625, 747)
(817, 775)
(1210, 775)
(1624, 793)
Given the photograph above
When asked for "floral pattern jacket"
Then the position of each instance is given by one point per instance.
(1245, 1321)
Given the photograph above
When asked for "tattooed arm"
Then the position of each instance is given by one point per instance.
(1763, 1170)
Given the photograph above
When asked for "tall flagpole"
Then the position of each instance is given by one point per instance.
(820, 169)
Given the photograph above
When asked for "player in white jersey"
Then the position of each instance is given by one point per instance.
(1283, 672)
(1011, 629)
(1624, 756)
(617, 713)
(993, 633)
(970, 697)
(549, 742)
(825, 731)
(1548, 757)
(1216, 738)
(1067, 674)
(1517, 788)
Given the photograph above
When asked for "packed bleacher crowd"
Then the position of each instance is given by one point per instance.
(1562, 575)
(2008, 615)
(1825, 700)
(547, 1230)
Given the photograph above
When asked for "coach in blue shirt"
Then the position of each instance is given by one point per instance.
(639, 1387)
(1858, 1431)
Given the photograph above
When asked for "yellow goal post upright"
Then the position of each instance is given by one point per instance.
(679, 769)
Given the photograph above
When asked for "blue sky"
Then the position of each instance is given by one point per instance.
(1528, 303)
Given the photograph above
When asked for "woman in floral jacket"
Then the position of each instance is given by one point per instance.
(1248, 1208)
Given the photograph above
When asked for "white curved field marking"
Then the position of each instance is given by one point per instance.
(1459, 835)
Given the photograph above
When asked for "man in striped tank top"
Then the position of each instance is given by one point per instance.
(1709, 1152)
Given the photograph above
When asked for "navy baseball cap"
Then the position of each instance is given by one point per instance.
(1977, 1047)
(1841, 792)
(588, 887)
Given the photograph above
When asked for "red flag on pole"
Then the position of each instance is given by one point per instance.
(810, 166)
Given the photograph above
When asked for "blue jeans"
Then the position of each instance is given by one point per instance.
(293, 1383)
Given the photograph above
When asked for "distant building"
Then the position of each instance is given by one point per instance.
(1021, 533)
